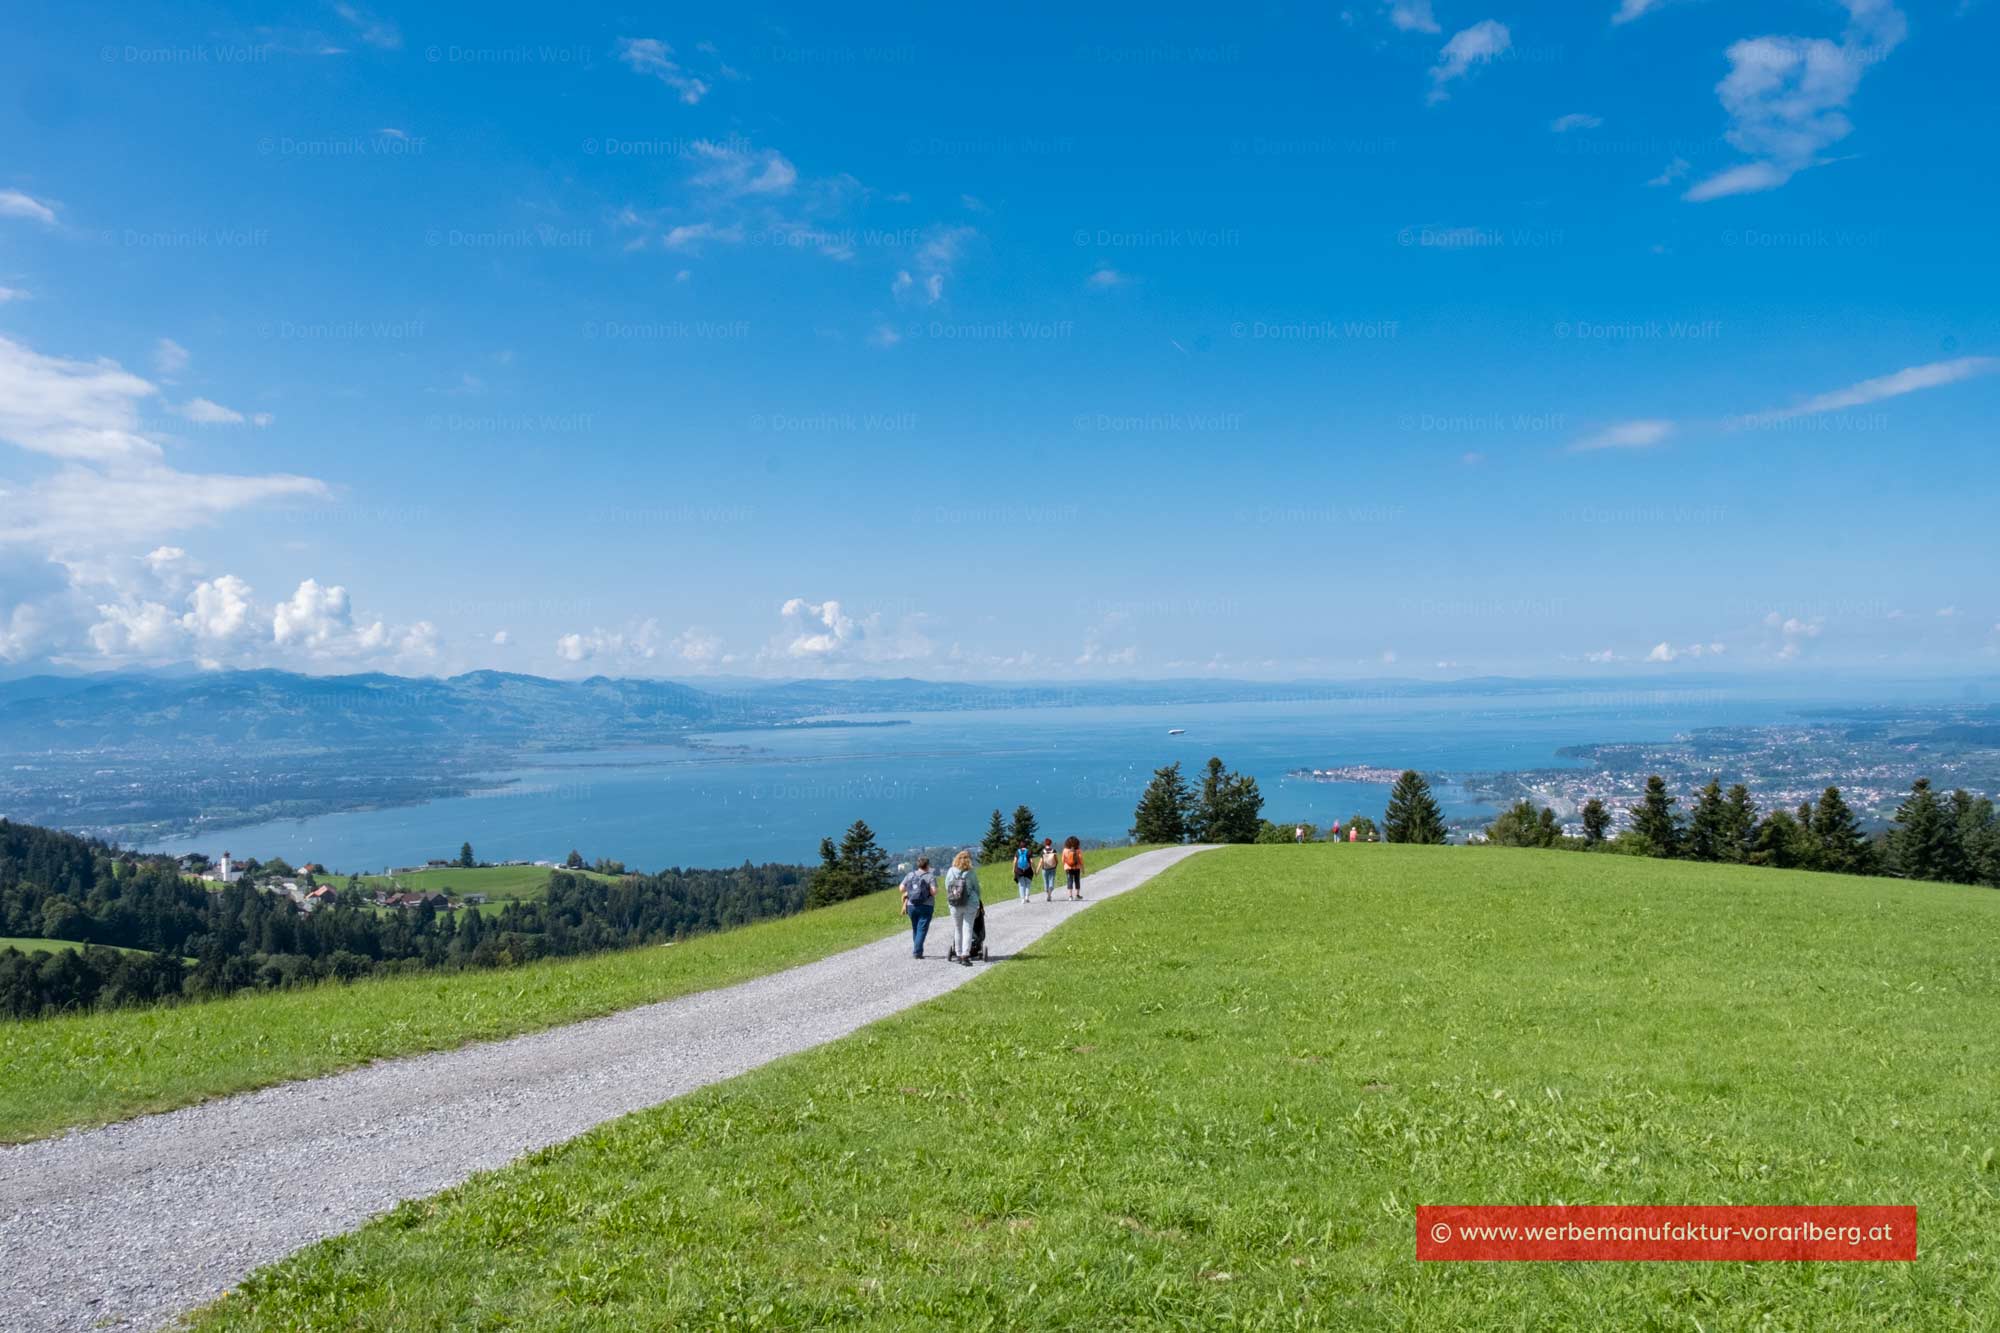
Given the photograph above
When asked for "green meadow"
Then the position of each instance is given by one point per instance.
(498, 883)
(31, 944)
(87, 1069)
(1217, 1102)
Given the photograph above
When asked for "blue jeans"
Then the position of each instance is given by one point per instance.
(920, 926)
(1048, 879)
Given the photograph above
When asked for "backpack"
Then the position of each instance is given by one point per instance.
(957, 887)
(1022, 863)
(919, 888)
(1072, 859)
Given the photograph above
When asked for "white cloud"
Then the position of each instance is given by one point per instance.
(1627, 435)
(649, 55)
(376, 32)
(698, 647)
(1575, 120)
(637, 642)
(823, 629)
(169, 357)
(1479, 44)
(1947, 612)
(737, 169)
(1787, 97)
(219, 609)
(1106, 277)
(1666, 652)
(1631, 9)
(320, 619)
(1412, 16)
(502, 638)
(14, 204)
(206, 412)
(67, 509)
(1909, 380)
(419, 641)
(1603, 655)
(13, 294)
(935, 260)
(691, 235)
(85, 410)
(884, 335)
(1674, 170)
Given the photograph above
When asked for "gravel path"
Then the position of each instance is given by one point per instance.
(133, 1224)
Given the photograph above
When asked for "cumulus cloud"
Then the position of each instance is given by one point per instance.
(15, 204)
(1412, 16)
(320, 619)
(935, 260)
(823, 629)
(1786, 97)
(1483, 42)
(653, 57)
(1666, 652)
(638, 642)
(699, 648)
(170, 358)
(1793, 632)
(1912, 379)
(1627, 435)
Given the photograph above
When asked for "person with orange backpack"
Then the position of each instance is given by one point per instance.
(1072, 864)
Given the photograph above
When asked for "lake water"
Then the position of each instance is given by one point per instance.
(771, 795)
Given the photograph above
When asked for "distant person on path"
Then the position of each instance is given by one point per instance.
(1353, 833)
(1333, 834)
(1299, 833)
(1024, 869)
(1072, 864)
(919, 903)
(1048, 870)
(961, 894)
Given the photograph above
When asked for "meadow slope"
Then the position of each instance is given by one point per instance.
(89, 1069)
(1218, 1102)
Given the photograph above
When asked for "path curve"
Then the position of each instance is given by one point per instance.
(132, 1224)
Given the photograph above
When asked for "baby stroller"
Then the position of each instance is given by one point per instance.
(978, 939)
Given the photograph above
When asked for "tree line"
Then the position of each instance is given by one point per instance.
(199, 943)
(1951, 839)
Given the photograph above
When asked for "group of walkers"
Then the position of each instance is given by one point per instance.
(961, 893)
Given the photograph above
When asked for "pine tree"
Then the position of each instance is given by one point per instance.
(1739, 824)
(1596, 821)
(1840, 845)
(1979, 833)
(1229, 808)
(1925, 839)
(1780, 843)
(1164, 807)
(1024, 830)
(857, 866)
(1413, 815)
(828, 882)
(465, 856)
(993, 847)
(1521, 825)
(1705, 828)
(1655, 820)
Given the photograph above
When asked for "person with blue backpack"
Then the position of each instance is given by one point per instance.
(1024, 869)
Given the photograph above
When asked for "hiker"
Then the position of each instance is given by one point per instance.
(1353, 833)
(1299, 833)
(1072, 864)
(961, 894)
(1048, 870)
(1333, 834)
(919, 903)
(1024, 869)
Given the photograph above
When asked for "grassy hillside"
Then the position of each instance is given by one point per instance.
(499, 883)
(90, 1068)
(1217, 1103)
(30, 944)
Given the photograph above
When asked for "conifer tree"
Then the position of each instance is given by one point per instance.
(1705, 827)
(1229, 808)
(993, 847)
(1413, 814)
(465, 859)
(1839, 843)
(1164, 807)
(1925, 840)
(1739, 824)
(1655, 820)
(1596, 821)
(1024, 829)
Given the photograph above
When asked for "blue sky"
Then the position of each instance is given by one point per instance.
(1424, 339)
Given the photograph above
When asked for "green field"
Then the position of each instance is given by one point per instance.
(87, 1069)
(1217, 1102)
(31, 944)
(498, 883)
